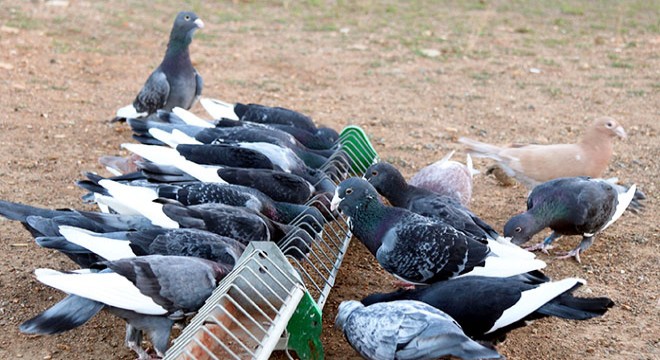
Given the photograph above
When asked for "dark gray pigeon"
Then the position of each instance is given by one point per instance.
(175, 82)
(149, 292)
(389, 182)
(406, 329)
(487, 307)
(418, 249)
(569, 206)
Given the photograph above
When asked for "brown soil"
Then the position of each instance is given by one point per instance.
(64, 71)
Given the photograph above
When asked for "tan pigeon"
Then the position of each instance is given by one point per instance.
(533, 164)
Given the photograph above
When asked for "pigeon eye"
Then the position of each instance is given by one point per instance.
(374, 173)
(349, 191)
(518, 229)
(187, 17)
(609, 124)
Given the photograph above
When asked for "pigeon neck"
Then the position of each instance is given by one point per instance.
(543, 215)
(366, 223)
(177, 49)
(599, 145)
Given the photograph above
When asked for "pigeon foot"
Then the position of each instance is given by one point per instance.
(540, 246)
(575, 253)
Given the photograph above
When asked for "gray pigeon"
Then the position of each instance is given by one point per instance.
(569, 206)
(175, 82)
(406, 329)
(149, 292)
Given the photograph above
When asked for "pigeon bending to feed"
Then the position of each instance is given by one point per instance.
(422, 250)
(569, 206)
(487, 307)
(406, 329)
(150, 292)
(447, 177)
(389, 182)
(175, 82)
(534, 164)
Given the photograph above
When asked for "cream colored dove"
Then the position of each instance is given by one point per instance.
(533, 164)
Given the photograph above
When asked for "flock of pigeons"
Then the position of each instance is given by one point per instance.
(179, 211)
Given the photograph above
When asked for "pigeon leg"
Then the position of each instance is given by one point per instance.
(133, 341)
(545, 245)
(584, 245)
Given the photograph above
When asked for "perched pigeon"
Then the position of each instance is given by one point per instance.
(389, 182)
(486, 307)
(418, 249)
(534, 164)
(174, 83)
(149, 292)
(569, 206)
(447, 177)
(406, 329)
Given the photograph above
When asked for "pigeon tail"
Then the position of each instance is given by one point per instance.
(470, 166)
(623, 200)
(69, 313)
(567, 306)
(481, 149)
(218, 109)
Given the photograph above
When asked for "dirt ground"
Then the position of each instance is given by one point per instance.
(416, 76)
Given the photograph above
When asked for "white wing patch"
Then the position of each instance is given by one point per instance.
(533, 299)
(109, 249)
(218, 109)
(109, 288)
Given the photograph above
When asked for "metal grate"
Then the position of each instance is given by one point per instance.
(269, 292)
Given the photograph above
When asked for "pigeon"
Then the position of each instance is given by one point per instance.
(418, 249)
(447, 177)
(150, 292)
(569, 206)
(389, 182)
(406, 329)
(179, 242)
(235, 134)
(258, 113)
(138, 199)
(175, 82)
(534, 164)
(487, 307)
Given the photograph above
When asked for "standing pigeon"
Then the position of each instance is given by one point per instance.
(486, 307)
(404, 330)
(534, 164)
(389, 182)
(569, 206)
(447, 177)
(418, 249)
(149, 292)
(174, 83)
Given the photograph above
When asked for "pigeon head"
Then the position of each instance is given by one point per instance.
(327, 135)
(385, 178)
(185, 24)
(351, 194)
(520, 228)
(607, 126)
(345, 310)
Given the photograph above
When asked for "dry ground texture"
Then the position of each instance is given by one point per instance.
(416, 75)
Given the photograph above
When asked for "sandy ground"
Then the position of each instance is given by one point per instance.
(415, 77)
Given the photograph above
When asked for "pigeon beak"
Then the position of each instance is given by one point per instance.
(199, 23)
(334, 204)
(620, 132)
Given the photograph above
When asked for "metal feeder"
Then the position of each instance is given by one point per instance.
(272, 301)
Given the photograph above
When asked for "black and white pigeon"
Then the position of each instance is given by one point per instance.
(487, 307)
(406, 330)
(138, 199)
(126, 244)
(569, 206)
(419, 249)
(175, 82)
(150, 292)
(390, 183)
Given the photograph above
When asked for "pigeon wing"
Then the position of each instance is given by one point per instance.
(154, 93)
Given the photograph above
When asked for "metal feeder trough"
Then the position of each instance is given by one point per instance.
(272, 301)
